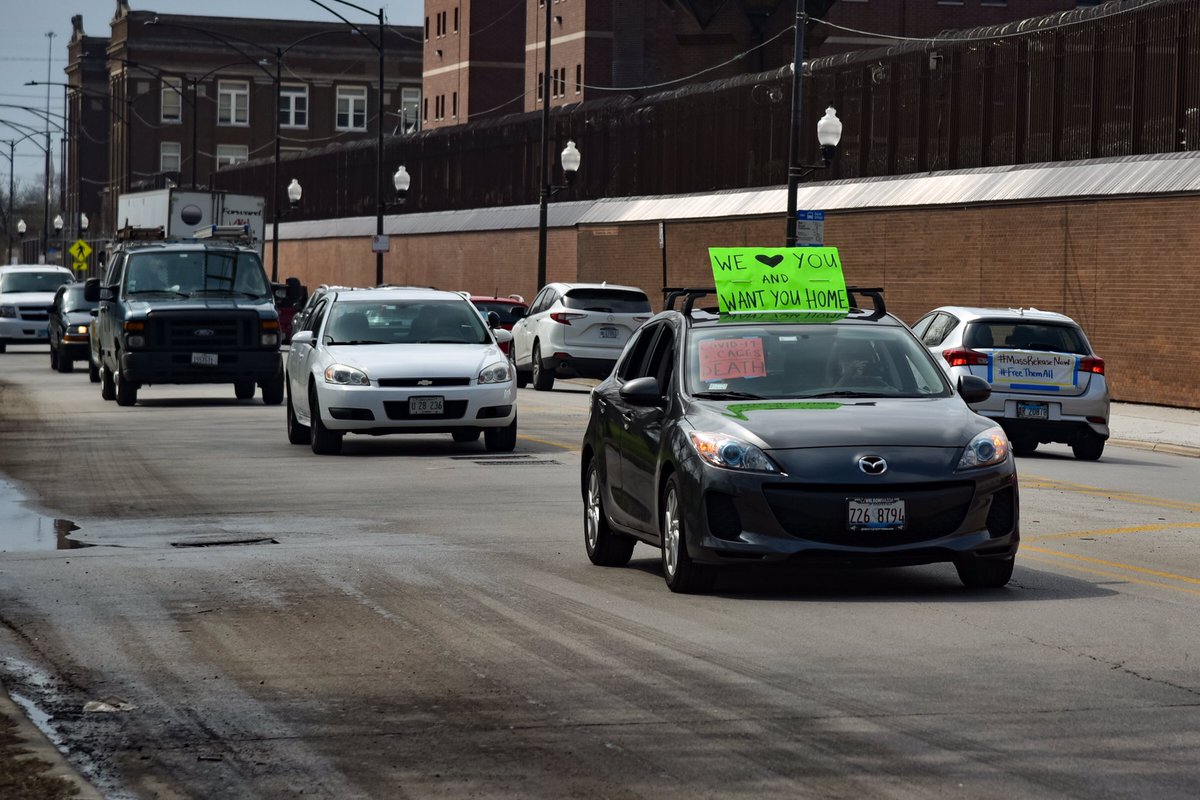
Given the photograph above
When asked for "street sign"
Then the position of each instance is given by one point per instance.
(81, 250)
(80, 265)
(381, 244)
(810, 228)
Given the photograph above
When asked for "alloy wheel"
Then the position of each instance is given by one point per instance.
(671, 533)
(593, 509)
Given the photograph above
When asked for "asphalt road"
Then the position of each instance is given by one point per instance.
(417, 618)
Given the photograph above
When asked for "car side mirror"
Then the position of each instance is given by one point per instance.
(502, 336)
(973, 389)
(493, 320)
(91, 290)
(302, 337)
(93, 311)
(643, 392)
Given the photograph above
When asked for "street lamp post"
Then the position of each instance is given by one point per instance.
(570, 158)
(58, 234)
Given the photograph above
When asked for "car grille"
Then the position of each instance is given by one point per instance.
(423, 382)
(202, 333)
(398, 409)
(1002, 516)
(819, 512)
(34, 313)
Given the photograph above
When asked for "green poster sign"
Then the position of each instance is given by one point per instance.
(779, 283)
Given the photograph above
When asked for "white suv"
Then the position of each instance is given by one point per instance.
(576, 329)
(26, 294)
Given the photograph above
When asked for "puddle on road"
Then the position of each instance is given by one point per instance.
(22, 529)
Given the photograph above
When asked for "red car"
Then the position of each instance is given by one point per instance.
(509, 309)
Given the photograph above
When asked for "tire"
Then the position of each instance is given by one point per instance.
(296, 433)
(126, 391)
(681, 573)
(243, 390)
(272, 390)
(93, 370)
(53, 358)
(1088, 447)
(108, 389)
(323, 441)
(543, 380)
(65, 364)
(501, 440)
(3, 347)
(522, 379)
(1024, 445)
(466, 436)
(985, 573)
(605, 547)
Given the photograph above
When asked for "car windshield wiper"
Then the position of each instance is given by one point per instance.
(156, 291)
(727, 396)
(359, 341)
(224, 291)
(846, 393)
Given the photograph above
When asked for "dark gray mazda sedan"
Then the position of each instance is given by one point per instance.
(746, 441)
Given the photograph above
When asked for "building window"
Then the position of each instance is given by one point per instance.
(169, 159)
(293, 106)
(229, 154)
(579, 79)
(454, 105)
(410, 108)
(541, 75)
(233, 102)
(456, 19)
(427, 29)
(425, 109)
(352, 108)
(172, 100)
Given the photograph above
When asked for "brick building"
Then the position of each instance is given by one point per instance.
(190, 95)
(474, 62)
(88, 123)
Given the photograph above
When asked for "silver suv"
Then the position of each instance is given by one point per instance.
(1048, 385)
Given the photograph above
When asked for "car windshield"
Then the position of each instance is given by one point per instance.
(19, 282)
(73, 300)
(197, 272)
(612, 301)
(405, 322)
(508, 312)
(736, 361)
(1025, 335)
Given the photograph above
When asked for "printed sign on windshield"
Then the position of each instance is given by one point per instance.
(1032, 369)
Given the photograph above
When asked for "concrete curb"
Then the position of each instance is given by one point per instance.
(1158, 447)
(34, 741)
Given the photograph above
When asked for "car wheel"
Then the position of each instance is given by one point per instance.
(1024, 445)
(53, 358)
(681, 573)
(501, 440)
(466, 436)
(1088, 447)
(243, 390)
(324, 442)
(272, 390)
(605, 547)
(522, 379)
(65, 364)
(93, 370)
(126, 391)
(108, 389)
(985, 573)
(543, 379)
(297, 433)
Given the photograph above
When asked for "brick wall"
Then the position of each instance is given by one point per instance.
(1120, 267)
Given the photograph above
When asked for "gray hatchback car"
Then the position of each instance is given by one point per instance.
(1048, 385)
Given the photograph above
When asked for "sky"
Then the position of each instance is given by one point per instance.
(26, 53)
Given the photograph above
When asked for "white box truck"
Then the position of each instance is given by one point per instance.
(181, 212)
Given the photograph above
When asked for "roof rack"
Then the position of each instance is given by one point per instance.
(229, 233)
(692, 294)
(133, 234)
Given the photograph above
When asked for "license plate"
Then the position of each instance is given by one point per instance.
(875, 514)
(1033, 411)
(204, 359)
(609, 333)
(426, 405)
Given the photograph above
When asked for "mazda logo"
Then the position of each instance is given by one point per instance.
(204, 332)
(872, 465)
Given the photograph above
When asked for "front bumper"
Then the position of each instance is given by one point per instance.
(23, 331)
(73, 351)
(378, 410)
(735, 517)
(150, 367)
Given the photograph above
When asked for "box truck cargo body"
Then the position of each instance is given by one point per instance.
(181, 212)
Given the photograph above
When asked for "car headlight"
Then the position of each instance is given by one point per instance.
(722, 450)
(270, 339)
(133, 341)
(987, 448)
(8, 311)
(500, 372)
(346, 376)
(81, 329)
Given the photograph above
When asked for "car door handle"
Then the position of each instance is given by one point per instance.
(627, 416)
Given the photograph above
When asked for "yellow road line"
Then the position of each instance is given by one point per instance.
(559, 445)
(1036, 482)
(1117, 575)
(1114, 564)
(1161, 526)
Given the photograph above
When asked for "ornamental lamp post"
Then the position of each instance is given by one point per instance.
(294, 192)
(570, 158)
(829, 134)
(83, 222)
(58, 232)
(401, 180)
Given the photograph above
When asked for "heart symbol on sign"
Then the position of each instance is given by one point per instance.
(771, 261)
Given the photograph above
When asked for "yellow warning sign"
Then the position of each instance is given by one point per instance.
(81, 250)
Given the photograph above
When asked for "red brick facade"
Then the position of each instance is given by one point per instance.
(1112, 265)
(473, 61)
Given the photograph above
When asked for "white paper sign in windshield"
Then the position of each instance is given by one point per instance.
(1025, 369)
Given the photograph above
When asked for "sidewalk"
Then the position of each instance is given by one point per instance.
(1167, 430)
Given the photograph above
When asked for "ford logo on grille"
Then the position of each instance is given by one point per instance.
(872, 465)
(204, 332)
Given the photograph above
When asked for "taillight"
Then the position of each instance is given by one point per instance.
(1095, 365)
(565, 317)
(965, 358)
